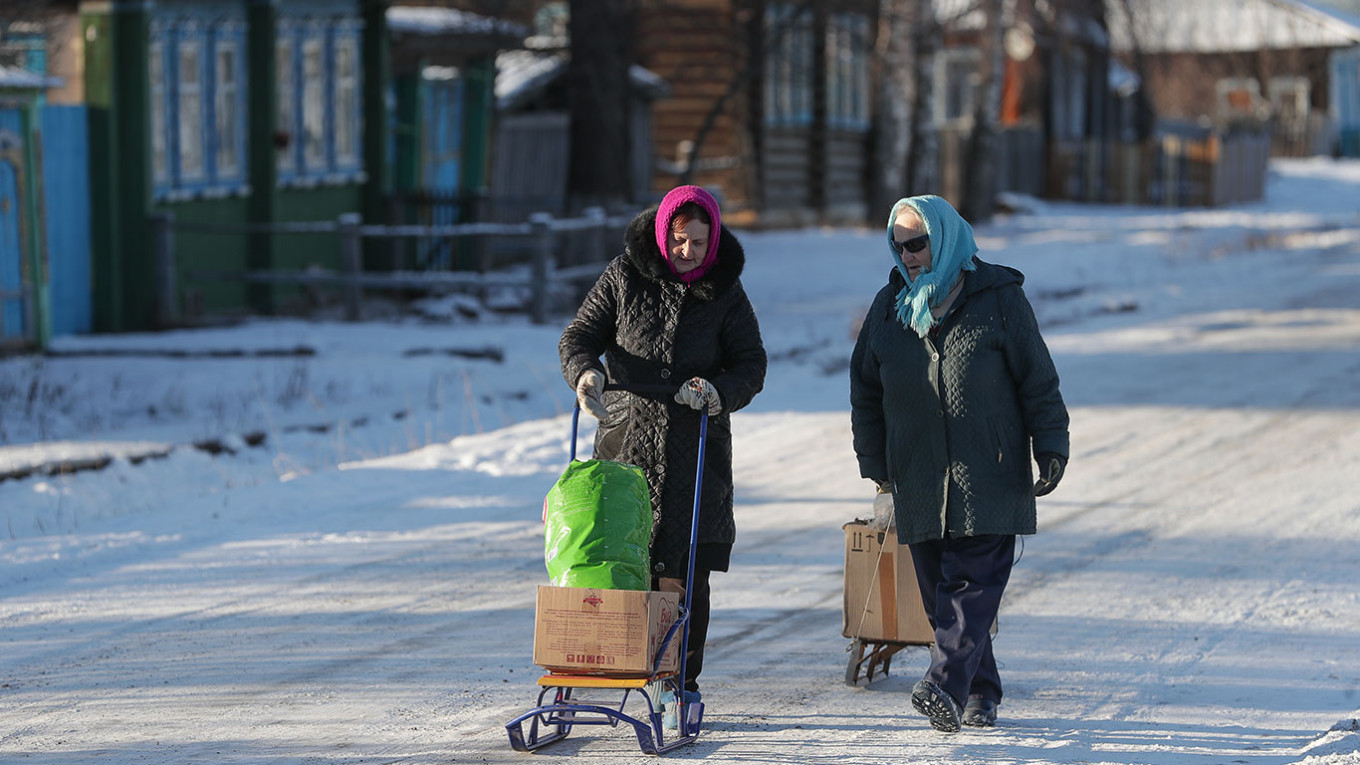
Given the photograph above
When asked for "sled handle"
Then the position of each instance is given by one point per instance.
(641, 388)
(694, 516)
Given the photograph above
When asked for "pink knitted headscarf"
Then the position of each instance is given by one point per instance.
(669, 204)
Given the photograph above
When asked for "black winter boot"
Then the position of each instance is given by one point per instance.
(935, 702)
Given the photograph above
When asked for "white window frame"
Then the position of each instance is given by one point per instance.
(320, 100)
(160, 149)
(847, 71)
(946, 63)
(313, 84)
(1073, 125)
(285, 115)
(1226, 86)
(197, 113)
(228, 110)
(347, 101)
(189, 110)
(1295, 88)
(788, 65)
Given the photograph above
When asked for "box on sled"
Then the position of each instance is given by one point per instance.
(582, 630)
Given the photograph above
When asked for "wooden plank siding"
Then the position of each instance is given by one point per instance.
(768, 174)
(698, 47)
(846, 160)
(784, 175)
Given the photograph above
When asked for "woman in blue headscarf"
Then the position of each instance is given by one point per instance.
(952, 390)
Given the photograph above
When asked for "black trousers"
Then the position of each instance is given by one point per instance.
(961, 580)
(698, 621)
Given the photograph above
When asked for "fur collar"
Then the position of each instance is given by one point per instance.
(641, 253)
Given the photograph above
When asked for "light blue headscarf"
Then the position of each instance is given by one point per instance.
(951, 252)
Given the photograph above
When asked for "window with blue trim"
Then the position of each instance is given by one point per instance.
(847, 71)
(198, 108)
(788, 65)
(320, 104)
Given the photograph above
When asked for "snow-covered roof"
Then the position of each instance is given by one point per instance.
(12, 77)
(448, 21)
(1215, 26)
(522, 74)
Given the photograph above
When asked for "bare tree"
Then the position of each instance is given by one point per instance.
(894, 58)
(922, 158)
(978, 203)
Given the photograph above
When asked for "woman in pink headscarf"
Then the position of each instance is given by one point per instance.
(671, 311)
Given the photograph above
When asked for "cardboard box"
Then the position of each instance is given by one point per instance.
(581, 630)
(882, 600)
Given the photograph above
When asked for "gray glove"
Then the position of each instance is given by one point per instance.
(589, 390)
(883, 507)
(698, 393)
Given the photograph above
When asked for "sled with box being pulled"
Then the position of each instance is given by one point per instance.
(635, 654)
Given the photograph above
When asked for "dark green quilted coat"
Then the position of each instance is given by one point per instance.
(653, 329)
(952, 419)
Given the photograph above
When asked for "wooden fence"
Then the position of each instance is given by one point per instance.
(1197, 170)
(1171, 170)
(544, 271)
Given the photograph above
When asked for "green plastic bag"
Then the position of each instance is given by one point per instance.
(598, 527)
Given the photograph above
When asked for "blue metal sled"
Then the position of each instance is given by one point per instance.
(559, 709)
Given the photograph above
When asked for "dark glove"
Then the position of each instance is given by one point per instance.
(1051, 467)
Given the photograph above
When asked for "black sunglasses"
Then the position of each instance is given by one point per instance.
(914, 244)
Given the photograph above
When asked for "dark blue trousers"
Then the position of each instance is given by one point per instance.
(961, 580)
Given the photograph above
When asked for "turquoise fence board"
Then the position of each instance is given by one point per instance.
(66, 197)
(12, 324)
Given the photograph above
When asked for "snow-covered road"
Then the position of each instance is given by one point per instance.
(1192, 597)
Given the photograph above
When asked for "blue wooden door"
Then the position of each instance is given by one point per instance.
(441, 167)
(12, 287)
(443, 130)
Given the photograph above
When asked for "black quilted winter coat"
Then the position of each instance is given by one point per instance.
(952, 418)
(653, 329)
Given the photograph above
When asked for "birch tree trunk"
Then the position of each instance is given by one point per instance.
(983, 154)
(895, 54)
(923, 174)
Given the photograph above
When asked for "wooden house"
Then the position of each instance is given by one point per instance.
(769, 104)
(1240, 64)
(217, 115)
(221, 113)
(1059, 95)
(781, 99)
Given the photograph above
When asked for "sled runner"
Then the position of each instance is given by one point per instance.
(562, 698)
(868, 657)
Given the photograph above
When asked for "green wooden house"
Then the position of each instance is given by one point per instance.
(220, 113)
